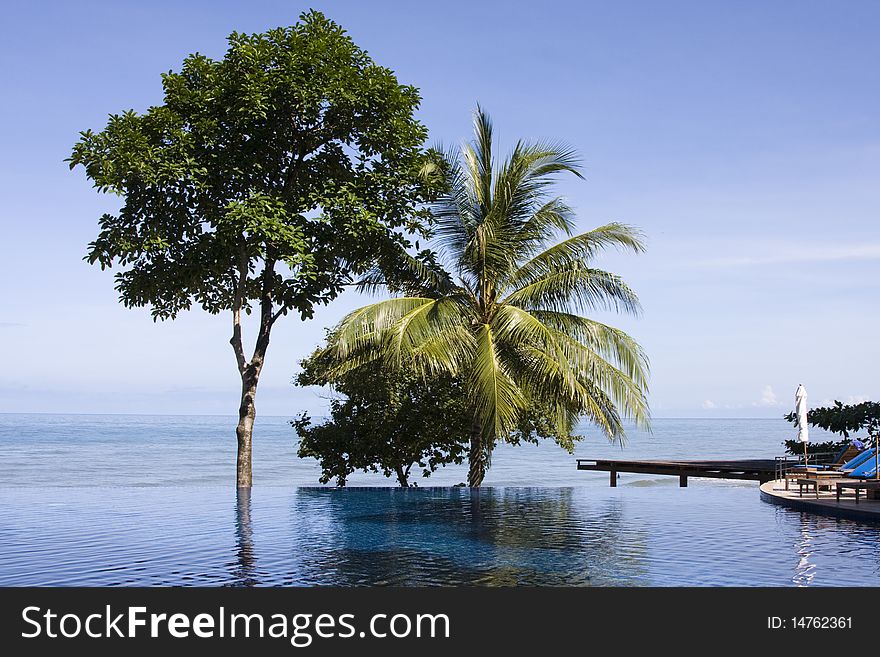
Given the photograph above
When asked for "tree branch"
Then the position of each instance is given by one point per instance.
(278, 314)
(266, 309)
(237, 303)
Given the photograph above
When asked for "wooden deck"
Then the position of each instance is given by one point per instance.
(761, 470)
(826, 504)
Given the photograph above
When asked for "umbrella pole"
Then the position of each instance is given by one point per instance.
(806, 456)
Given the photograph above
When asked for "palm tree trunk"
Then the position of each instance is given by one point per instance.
(476, 457)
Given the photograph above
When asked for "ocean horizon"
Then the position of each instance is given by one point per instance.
(155, 450)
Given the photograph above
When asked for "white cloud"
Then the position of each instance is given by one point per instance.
(709, 404)
(768, 397)
(801, 253)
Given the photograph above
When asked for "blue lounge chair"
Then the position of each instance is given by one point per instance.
(834, 465)
(857, 461)
(867, 469)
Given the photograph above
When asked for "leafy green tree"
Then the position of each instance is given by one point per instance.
(384, 421)
(499, 305)
(816, 450)
(842, 419)
(391, 420)
(263, 182)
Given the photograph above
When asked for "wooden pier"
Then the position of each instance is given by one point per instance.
(760, 470)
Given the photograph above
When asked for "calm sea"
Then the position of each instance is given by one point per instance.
(148, 500)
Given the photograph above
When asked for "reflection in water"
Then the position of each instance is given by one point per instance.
(244, 572)
(705, 535)
(855, 538)
(804, 570)
(495, 537)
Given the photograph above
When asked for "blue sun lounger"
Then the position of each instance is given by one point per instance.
(853, 463)
(867, 469)
(858, 461)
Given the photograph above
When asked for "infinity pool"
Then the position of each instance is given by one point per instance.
(649, 535)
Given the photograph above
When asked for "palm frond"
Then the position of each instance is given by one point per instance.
(578, 251)
(520, 203)
(449, 350)
(555, 216)
(442, 317)
(568, 364)
(365, 328)
(585, 398)
(627, 395)
(608, 342)
(456, 211)
(481, 151)
(515, 327)
(584, 289)
(496, 397)
(409, 275)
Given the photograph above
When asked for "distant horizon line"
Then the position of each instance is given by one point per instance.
(670, 417)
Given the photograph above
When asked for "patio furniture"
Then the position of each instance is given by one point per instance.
(858, 460)
(812, 474)
(845, 458)
(867, 470)
(853, 467)
(858, 486)
(814, 483)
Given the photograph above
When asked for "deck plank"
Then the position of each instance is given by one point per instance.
(742, 469)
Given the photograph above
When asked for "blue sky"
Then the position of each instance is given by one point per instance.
(743, 138)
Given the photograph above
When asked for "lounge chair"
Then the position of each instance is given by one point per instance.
(828, 472)
(846, 454)
(860, 460)
(866, 470)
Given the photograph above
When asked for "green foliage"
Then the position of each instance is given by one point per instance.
(391, 420)
(796, 447)
(844, 419)
(497, 304)
(386, 421)
(273, 174)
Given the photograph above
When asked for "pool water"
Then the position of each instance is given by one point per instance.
(629, 536)
(121, 501)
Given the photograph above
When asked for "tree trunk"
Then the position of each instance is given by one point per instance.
(250, 370)
(250, 376)
(476, 457)
(244, 431)
(402, 478)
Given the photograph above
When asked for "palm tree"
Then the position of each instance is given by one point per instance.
(504, 311)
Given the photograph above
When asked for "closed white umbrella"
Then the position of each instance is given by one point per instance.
(800, 409)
